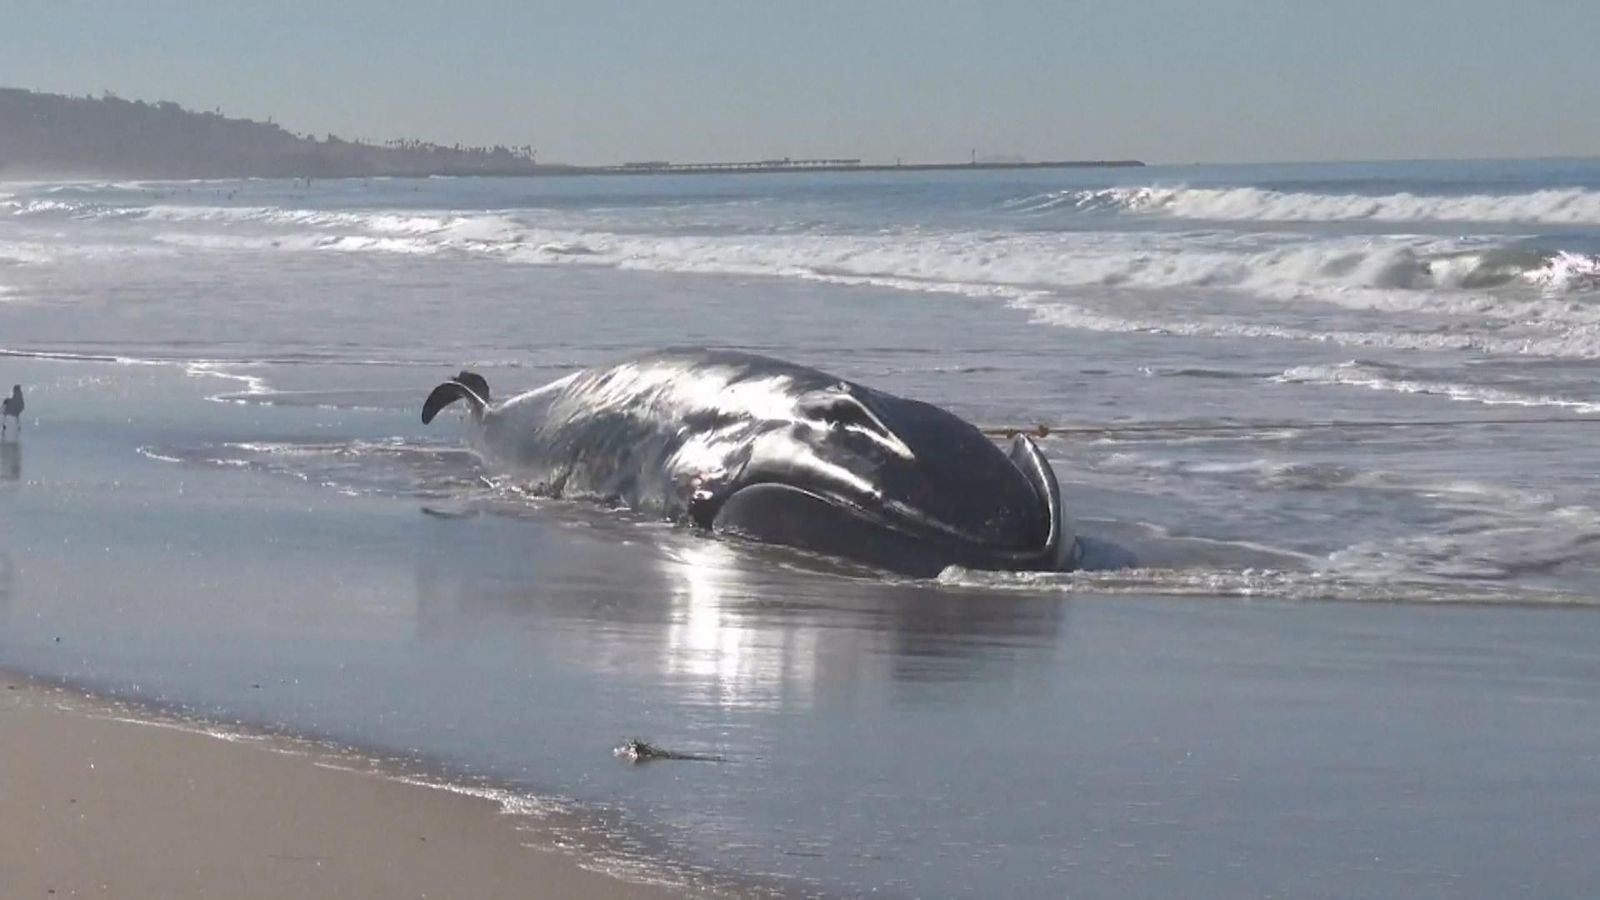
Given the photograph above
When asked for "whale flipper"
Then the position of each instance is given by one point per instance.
(468, 386)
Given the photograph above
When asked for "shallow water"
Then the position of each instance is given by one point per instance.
(223, 501)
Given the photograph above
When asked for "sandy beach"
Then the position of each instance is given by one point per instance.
(93, 803)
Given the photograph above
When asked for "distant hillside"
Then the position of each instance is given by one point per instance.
(58, 136)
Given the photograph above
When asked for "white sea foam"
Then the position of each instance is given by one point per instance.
(1550, 206)
(26, 253)
(1560, 206)
(1027, 259)
(63, 356)
(384, 222)
(1503, 296)
(1575, 342)
(1567, 272)
(1477, 293)
(1387, 378)
(253, 384)
(158, 456)
(36, 207)
(1348, 577)
(1485, 544)
(919, 259)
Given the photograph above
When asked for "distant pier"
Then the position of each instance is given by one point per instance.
(768, 166)
(764, 165)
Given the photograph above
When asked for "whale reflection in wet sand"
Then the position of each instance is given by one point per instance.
(730, 625)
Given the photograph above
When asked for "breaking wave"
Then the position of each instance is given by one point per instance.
(913, 258)
(1570, 342)
(1558, 206)
(956, 261)
(1480, 293)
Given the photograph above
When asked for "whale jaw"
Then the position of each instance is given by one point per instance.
(779, 513)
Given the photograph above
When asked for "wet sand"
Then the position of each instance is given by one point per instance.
(95, 804)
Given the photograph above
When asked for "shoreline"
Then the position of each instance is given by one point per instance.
(108, 796)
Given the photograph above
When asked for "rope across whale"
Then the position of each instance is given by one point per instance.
(1042, 430)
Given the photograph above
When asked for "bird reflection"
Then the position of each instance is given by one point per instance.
(10, 461)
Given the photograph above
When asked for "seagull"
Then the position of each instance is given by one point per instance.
(12, 407)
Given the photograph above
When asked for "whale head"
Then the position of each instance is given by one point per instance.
(897, 484)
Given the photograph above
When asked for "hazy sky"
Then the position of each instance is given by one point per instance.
(606, 81)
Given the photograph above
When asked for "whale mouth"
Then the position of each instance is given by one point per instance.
(897, 537)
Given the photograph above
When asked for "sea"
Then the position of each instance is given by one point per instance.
(1345, 417)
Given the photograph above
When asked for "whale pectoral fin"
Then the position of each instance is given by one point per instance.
(448, 393)
(1061, 549)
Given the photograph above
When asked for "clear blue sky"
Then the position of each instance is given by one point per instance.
(601, 80)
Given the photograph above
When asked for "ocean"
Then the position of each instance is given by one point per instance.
(1343, 415)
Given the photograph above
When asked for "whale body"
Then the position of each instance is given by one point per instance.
(775, 452)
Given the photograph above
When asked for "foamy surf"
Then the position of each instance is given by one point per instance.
(1016, 258)
(1264, 584)
(1573, 342)
(1552, 206)
(1382, 377)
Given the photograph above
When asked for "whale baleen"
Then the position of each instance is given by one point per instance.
(781, 453)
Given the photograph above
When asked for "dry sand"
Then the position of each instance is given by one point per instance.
(93, 806)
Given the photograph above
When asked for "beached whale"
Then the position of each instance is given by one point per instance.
(776, 452)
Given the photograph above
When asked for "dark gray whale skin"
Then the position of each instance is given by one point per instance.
(775, 452)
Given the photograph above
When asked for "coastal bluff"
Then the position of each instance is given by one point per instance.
(51, 135)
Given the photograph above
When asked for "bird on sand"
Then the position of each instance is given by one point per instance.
(12, 407)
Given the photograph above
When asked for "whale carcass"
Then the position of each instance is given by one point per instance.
(771, 451)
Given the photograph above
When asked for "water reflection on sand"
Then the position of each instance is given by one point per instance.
(723, 624)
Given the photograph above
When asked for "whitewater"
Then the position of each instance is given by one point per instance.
(1344, 415)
